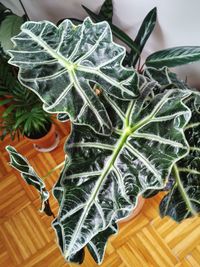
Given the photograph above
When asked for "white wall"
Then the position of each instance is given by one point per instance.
(178, 20)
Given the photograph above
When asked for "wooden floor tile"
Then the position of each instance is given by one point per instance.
(28, 240)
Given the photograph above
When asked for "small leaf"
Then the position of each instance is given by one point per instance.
(144, 33)
(106, 10)
(9, 27)
(173, 57)
(20, 163)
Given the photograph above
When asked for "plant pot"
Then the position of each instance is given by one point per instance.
(46, 143)
(136, 210)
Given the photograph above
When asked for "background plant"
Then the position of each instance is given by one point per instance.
(138, 134)
(21, 109)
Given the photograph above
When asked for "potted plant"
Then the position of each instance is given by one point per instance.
(137, 136)
(22, 113)
(21, 110)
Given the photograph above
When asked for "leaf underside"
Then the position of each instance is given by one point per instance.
(61, 65)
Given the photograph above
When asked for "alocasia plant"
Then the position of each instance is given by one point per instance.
(133, 136)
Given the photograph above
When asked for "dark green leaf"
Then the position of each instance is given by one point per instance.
(183, 200)
(150, 193)
(62, 79)
(98, 243)
(104, 176)
(121, 35)
(144, 32)
(173, 57)
(165, 78)
(21, 164)
(106, 10)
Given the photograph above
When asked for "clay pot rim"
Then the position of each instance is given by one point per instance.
(43, 138)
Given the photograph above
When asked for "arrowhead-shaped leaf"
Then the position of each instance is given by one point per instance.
(61, 64)
(183, 200)
(104, 176)
(173, 57)
(21, 164)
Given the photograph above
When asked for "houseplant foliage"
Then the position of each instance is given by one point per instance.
(22, 112)
(133, 136)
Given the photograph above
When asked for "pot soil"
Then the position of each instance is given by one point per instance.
(136, 211)
(47, 142)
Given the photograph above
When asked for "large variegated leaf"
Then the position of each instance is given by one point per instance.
(104, 176)
(61, 64)
(21, 164)
(183, 200)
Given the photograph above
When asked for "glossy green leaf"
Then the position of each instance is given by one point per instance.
(183, 200)
(104, 175)
(144, 33)
(165, 78)
(121, 35)
(106, 10)
(60, 63)
(20, 163)
(97, 244)
(173, 57)
(9, 27)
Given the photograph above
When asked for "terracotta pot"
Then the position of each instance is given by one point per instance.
(46, 143)
(136, 211)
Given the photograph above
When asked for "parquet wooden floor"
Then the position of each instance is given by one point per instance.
(27, 239)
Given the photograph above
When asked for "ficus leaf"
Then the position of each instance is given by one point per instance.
(173, 57)
(104, 175)
(21, 164)
(183, 200)
(60, 63)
